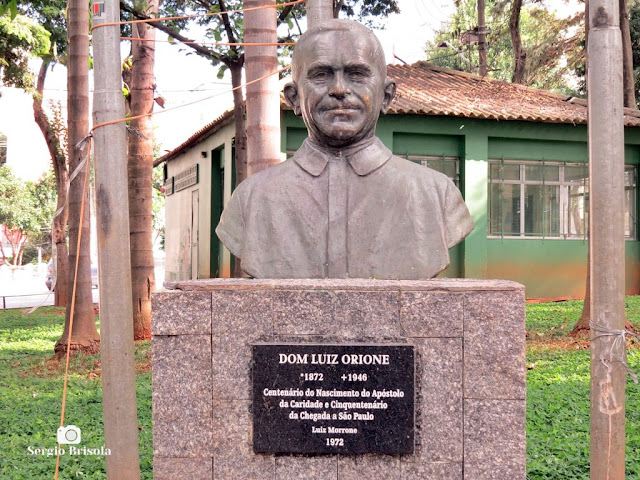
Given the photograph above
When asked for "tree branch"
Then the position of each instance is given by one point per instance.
(175, 35)
(284, 13)
(226, 22)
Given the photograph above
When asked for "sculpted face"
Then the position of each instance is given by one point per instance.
(341, 87)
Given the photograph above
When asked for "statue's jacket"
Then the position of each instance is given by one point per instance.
(359, 212)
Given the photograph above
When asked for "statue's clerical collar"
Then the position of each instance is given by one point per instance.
(364, 157)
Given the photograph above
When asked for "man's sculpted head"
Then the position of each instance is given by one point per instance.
(340, 83)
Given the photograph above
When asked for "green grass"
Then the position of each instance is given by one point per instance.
(558, 416)
(558, 394)
(556, 319)
(31, 393)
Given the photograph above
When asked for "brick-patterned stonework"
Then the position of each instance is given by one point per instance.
(469, 340)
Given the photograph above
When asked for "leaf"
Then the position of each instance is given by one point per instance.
(11, 6)
(221, 70)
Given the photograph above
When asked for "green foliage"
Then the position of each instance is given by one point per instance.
(553, 319)
(3, 148)
(558, 416)
(552, 44)
(556, 319)
(31, 394)
(634, 27)
(20, 39)
(45, 198)
(216, 30)
(51, 15)
(558, 395)
(369, 12)
(18, 210)
(10, 7)
(26, 208)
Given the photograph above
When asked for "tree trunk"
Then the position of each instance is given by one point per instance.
(140, 174)
(519, 55)
(241, 136)
(84, 336)
(21, 245)
(582, 326)
(59, 161)
(629, 86)
(263, 97)
(482, 40)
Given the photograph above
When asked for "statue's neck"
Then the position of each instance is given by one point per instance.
(345, 151)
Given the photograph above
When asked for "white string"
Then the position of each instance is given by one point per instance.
(619, 342)
(54, 256)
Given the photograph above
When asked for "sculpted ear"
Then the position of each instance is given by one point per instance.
(389, 93)
(291, 94)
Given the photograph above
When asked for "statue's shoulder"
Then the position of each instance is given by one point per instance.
(419, 172)
(267, 180)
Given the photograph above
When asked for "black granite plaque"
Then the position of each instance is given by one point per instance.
(326, 398)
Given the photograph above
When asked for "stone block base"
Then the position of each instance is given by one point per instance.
(469, 340)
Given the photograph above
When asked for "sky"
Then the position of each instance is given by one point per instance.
(182, 77)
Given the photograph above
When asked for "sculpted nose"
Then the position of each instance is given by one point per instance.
(339, 87)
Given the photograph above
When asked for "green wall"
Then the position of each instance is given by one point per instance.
(549, 268)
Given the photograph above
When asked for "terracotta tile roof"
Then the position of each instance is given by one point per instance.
(209, 129)
(425, 89)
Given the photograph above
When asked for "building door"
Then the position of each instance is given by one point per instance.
(217, 196)
(195, 232)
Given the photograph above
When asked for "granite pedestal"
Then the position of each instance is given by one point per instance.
(469, 340)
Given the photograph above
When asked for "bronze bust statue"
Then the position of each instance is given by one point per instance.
(343, 206)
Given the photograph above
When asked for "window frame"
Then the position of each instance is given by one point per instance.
(563, 196)
(425, 159)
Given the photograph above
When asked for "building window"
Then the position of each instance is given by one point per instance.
(3, 148)
(547, 199)
(450, 166)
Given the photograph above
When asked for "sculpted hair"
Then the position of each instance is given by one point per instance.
(336, 25)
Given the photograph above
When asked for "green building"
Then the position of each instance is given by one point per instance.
(518, 155)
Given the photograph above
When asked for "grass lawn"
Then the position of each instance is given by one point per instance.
(31, 393)
(558, 394)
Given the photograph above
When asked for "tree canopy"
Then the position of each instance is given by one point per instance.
(554, 46)
(20, 39)
(25, 208)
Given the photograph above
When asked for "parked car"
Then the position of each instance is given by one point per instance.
(49, 278)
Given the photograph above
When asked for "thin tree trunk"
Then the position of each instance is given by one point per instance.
(241, 137)
(21, 244)
(482, 40)
(519, 55)
(337, 6)
(59, 161)
(84, 336)
(140, 173)
(582, 326)
(629, 87)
